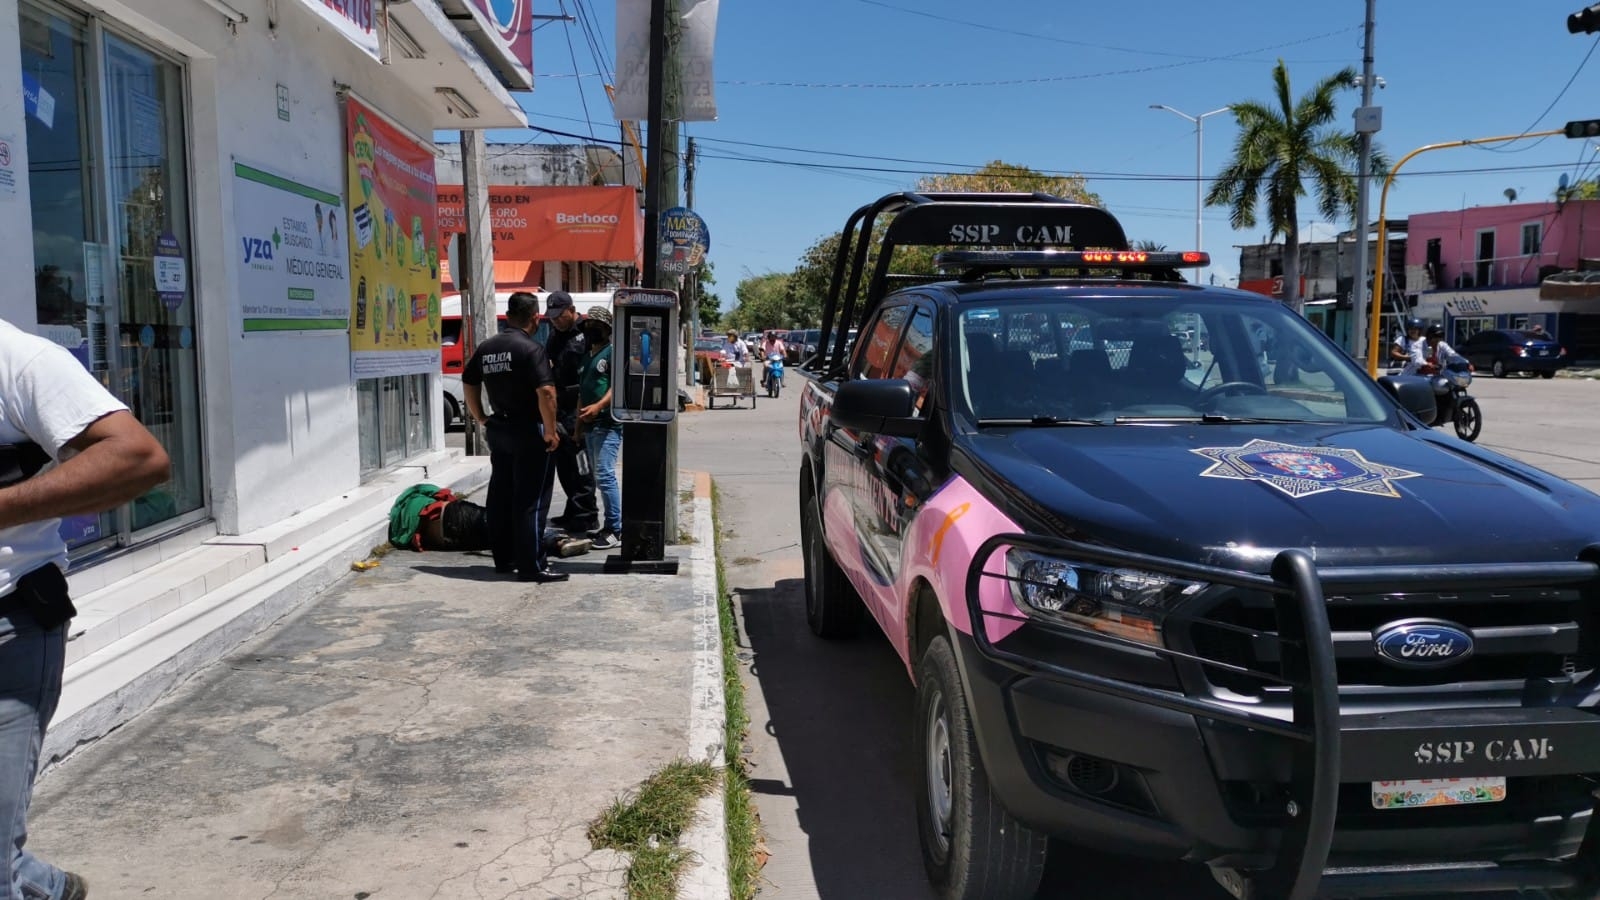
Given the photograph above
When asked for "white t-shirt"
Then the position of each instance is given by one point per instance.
(1416, 354)
(48, 398)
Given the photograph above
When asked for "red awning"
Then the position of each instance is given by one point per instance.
(553, 224)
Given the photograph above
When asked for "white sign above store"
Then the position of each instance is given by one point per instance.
(357, 20)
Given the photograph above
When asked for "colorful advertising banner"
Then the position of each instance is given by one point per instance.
(394, 248)
(566, 224)
(294, 273)
(513, 27)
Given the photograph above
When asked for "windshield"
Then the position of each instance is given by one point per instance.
(1151, 358)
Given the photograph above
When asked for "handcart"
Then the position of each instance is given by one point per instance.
(729, 380)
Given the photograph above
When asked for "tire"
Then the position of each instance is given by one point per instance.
(833, 608)
(452, 413)
(1499, 369)
(1468, 420)
(971, 846)
(1549, 373)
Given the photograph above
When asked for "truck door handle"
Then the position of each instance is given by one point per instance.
(863, 448)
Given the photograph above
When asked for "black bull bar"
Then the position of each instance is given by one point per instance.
(1329, 749)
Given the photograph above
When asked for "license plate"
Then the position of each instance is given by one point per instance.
(1544, 352)
(1437, 792)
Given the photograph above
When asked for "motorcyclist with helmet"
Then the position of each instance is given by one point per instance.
(1431, 353)
(1401, 351)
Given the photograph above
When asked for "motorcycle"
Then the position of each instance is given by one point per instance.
(1454, 404)
(773, 378)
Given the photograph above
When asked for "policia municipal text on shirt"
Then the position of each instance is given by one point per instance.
(523, 437)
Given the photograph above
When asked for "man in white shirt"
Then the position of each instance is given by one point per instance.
(1401, 350)
(51, 411)
(1432, 353)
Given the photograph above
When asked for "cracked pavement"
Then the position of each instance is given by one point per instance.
(423, 730)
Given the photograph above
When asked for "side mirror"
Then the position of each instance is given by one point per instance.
(877, 406)
(1415, 393)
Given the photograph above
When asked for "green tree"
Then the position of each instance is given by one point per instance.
(1588, 189)
(762, 302)
(1150, 246)
(710, 305)
(1287, 147)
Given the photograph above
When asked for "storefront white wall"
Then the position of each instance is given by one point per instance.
(16, 231)
(281, 418)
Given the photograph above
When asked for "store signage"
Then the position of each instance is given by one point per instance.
(357, 20)
(571, 224)
(394, 254)
(684, 240)
(511, 22)
(293, 266)
(697, 37)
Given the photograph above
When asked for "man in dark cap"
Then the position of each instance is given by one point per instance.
(602, 434)
(523, 437)
(568, 352)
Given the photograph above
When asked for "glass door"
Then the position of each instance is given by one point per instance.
(147, 185)
(108, 176)
(69, 261)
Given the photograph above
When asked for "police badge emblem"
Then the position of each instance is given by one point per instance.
(1303, 471)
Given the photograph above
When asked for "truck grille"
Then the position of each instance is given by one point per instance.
(1519, 633)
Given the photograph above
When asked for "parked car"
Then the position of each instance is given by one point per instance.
(802, 345)
(1503, 351)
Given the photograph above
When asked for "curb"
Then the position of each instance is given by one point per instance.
(706, 840)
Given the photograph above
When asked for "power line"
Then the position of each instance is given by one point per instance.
(982, 26)
(1535, 124)
(1046, 79)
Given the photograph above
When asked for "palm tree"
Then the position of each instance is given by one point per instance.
(1284, 148)
(1149, 246)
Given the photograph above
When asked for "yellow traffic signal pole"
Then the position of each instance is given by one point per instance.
(1374, 320)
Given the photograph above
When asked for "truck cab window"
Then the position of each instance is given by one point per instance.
(878, 351)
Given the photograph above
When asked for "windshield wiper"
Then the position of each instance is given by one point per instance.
(1039, 421)
(1212, 419)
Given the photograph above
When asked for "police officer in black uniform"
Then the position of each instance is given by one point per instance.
(522, 439)
(568, 351)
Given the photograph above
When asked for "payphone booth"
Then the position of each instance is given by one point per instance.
(644, 344)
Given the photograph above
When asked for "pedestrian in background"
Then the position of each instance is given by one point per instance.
(522, 436)
(51, 409)
(567, 351)
(602, 433)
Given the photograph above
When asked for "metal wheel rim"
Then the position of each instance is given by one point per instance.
(1467, 422)
(941, 793)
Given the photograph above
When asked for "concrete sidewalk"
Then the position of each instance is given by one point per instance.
(426, 729)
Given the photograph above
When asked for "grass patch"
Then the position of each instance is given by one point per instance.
(648, 826)
(745, 853)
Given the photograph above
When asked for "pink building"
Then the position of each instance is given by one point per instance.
(1502, 246)
(1481, 268)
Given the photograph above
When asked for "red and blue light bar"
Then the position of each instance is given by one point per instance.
(1073, 259)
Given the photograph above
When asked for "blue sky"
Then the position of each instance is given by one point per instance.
(1078, 101)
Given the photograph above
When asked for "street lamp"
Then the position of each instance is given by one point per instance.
(1199, 170)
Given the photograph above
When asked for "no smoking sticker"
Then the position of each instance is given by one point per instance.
(8, 171)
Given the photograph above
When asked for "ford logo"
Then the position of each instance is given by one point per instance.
(1422, 643)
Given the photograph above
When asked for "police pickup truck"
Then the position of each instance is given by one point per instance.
(1173, 577)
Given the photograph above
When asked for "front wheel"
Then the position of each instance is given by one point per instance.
(1499, 369)
(1468, 419)
(971, 846)
(833, 608)
(1548, 373)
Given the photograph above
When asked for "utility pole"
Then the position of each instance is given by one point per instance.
(649, 452)
(1199, 171)
(1368, 120)
(692, 282)
(475, 267)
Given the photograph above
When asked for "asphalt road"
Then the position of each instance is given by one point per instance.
(830, 721)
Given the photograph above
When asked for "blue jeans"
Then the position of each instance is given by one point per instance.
(605, 448)
(30, 685)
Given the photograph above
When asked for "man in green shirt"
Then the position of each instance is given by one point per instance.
(601, 433)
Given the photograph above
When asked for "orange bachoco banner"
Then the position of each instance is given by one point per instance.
(567, 224)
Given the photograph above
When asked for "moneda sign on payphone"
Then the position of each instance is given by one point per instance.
(644, 352)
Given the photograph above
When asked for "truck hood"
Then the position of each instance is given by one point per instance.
(1235, 495)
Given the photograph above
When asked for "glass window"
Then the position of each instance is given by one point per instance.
(394, 420)
(367, 424)
(1532, 234)
(1133, 359)
(914, 362)
(1463, 329)
(877, 353)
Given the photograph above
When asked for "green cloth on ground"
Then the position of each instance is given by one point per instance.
(405, 516)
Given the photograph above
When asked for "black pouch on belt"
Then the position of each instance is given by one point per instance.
(43, 593)
(19, 462)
